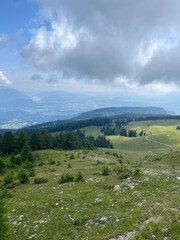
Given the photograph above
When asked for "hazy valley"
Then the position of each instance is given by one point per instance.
(18, 109)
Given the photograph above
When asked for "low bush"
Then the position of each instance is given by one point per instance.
(72, 156)
(39, 180)
(66, 178)
(51, 162)
(106, 171)
(123, 172)
(80, 222)
(22, 176)
(79, 177)
(8, 179)
(137, 173)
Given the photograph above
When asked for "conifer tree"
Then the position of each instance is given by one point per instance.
(20, 141)
(26, 154)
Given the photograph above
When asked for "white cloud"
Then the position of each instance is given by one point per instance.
(146, 52)
(104, 40)
(4, 79)
(162, 87)
(48, 46)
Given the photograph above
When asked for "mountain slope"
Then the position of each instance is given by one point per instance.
(16, 106)
(113, 111)
(10, 94)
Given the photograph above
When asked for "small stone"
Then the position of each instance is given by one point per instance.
(20, 217)
(103, 219)
(97, 200)
(117, 188)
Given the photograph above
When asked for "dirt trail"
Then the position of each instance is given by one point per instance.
(157, 142)
(166, 145)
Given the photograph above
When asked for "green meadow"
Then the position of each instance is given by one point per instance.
(136, 198)
(161, 136)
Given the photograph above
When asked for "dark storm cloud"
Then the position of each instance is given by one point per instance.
(106, 40)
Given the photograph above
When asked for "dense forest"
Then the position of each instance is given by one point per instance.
(42, 139)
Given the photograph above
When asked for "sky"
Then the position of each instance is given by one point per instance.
(120, 46)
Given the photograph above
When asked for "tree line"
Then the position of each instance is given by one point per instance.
(118, 129)
(71, 125)
(42, 139)
(67, 125)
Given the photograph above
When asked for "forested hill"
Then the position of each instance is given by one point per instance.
(101, 117)
(113, 111)
(59, 126)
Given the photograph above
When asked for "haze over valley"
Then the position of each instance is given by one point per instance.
(18, 109)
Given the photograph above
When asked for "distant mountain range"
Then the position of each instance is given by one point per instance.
(43, 107)
(16, 106)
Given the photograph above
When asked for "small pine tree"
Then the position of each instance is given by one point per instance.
(23, 176)
(79, 177)
(26, 154)
(21, 139)
(8, 143)
(12, 160)
(2, 166)
(72, 156)
(69, 166)
(8, 179)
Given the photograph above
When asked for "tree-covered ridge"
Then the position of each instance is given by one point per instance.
(74, 124)
(114, 111)
(68, 125)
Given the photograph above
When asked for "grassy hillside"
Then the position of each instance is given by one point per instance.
(130, 192)
(161, 136)
(100, 207)
(93, 130)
